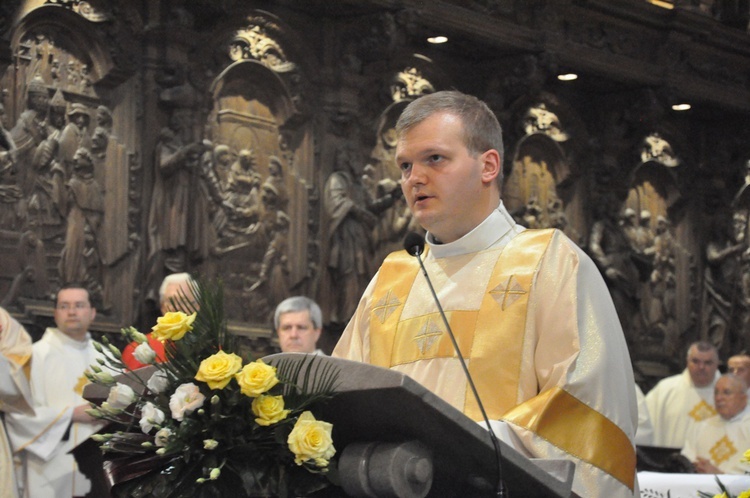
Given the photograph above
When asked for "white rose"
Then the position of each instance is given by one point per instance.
(150, 416)
(120, 396)
(144, 354)
(162, 437)
(158, 382)
(186, 399)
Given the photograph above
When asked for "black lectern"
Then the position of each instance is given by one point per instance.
(377, 405)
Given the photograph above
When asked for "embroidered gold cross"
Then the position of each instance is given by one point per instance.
(427, 336)
(506, 294)
(722, 450)
(385, 306)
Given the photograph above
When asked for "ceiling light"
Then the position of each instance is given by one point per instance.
(663, 4)
(437, 39)
(681, 107)
(567, 77)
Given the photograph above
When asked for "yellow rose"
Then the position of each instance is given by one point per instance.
(173, 326)
(218, 369)
(256, 378)
(744, 494)
(311, 440)
(269, 409)
(746, 456)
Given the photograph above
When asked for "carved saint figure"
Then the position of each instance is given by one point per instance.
(352, 215)
(610, 249)
(80, 259)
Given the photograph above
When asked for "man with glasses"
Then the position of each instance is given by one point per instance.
(678, 402)
(58, 362)
(716, 445)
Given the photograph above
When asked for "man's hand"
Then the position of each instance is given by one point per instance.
(703, 466)
(80, 416)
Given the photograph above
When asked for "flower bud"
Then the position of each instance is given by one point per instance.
(115, 352)
(215, 473)
(210, 444)
(97, 346)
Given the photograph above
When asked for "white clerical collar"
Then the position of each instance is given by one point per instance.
(482, 237)
(66, 339)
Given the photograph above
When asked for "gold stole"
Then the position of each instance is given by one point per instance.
(491, 338)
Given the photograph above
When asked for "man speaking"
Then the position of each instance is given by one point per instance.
(529, 309)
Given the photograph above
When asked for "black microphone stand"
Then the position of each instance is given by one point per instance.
(416, 251)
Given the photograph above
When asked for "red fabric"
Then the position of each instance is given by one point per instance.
(129, 360)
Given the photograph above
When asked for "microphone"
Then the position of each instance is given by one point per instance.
(414, 245)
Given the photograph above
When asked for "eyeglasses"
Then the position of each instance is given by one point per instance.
(71, 306)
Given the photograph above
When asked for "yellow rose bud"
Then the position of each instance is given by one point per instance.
(173, 326)
(311, 440)
(256, 378)
(218, 369)
(269, 409)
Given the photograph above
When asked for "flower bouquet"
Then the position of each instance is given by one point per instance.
(206, 423)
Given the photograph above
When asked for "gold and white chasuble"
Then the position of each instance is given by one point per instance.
(15, 393)
(721, 441)
(547, 354)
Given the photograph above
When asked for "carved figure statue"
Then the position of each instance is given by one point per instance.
(80, 260)
(352, 216)
(30, 129)
(659, 304)
(74, 135)
(720, 278)
(610, 249)
(177, 159)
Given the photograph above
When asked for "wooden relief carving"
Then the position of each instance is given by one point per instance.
(234, 200)
(71, 222)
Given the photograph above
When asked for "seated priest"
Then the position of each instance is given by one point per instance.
(717, 444)
(529, 309)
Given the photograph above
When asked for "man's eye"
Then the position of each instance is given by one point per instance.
(404, 166)
(435, 158)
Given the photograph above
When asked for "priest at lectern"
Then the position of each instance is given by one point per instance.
(530, 312)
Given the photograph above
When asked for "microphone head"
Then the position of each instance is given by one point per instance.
(414, 243)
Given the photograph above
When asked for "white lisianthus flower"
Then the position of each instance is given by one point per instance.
(151, 416)
(121, 396)
(158, 382)
(144, 353)
(186, 399)
(162, 437)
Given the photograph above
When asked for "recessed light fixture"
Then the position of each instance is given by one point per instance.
(681, 107)
(662, 4)
(437, 39)
(567, 77)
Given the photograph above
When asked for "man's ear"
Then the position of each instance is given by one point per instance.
(491, 164)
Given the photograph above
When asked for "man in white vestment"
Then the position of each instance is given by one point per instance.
(42, 441)
(298, 321)
(530, 311)
(716, 445)
(15, 394)
(676, 403)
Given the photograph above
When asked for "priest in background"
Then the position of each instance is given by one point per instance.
(60, 423)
